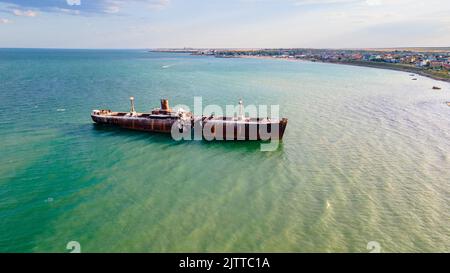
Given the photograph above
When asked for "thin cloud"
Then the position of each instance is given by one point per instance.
(306, 2)
(112, 9)
(84, 6)
(158, 4)
(26, 13)
(323, 2)
(374, 2)
(73, 2)
(4, 21)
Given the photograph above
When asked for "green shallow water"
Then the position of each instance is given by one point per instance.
(365, 157)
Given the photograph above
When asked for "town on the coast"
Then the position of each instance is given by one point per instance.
(431, 62)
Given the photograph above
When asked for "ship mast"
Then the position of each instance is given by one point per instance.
(133, 110)
(241, 110)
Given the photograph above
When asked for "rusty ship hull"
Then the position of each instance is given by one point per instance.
(140, 122)
(225, 128)
(165, 120)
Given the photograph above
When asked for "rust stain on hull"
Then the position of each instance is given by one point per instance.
(141, 124)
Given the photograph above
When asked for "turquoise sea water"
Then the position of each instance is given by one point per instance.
(366, 157)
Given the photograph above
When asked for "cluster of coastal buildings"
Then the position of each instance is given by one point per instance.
(437, 59)
(431, 62)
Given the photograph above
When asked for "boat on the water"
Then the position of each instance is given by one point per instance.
(167, 120)
(436, 88)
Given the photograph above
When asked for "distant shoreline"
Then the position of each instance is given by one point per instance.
(413, 70)
(395, 67)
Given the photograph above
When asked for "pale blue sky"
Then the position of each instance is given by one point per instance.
(224, 23)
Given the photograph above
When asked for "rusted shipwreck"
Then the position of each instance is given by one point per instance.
(169, 121)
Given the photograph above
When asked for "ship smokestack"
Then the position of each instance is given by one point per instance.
(165, 105)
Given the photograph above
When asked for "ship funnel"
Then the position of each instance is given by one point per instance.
(165, 104)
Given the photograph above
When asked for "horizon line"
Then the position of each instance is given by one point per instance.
(233, 48)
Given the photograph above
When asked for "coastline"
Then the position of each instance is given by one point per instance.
(413, 70)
